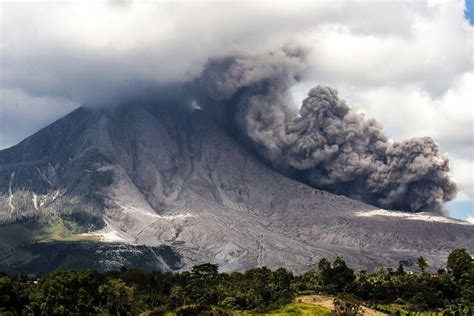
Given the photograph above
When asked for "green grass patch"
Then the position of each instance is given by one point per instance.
(292, 309)
(62, 231)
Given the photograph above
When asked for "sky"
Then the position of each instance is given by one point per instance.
(409, 64)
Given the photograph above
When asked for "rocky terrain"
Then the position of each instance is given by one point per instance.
(143, 176)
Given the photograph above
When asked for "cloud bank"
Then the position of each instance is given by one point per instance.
(409, 64)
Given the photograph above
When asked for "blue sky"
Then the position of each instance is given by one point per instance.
(461, 209)
(469, 13)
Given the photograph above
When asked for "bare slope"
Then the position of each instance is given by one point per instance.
(147, 175)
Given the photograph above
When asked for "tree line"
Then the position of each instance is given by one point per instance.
(205, 291)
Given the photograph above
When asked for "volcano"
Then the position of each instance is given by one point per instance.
(165, 187)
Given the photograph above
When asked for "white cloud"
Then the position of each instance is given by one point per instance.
(463, 173)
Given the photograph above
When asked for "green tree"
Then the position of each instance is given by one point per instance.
(459, 262)
(201, 289)
(117, 297)
(400, 270)
(337, 278)
(205, 270)
(11, 298)
(325, 271)
(421, 263)
(344, 276)
(177, 296)
(67, 292)
(309, 281)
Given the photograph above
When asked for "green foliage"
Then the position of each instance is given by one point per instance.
(296, 309)
(336, 278)
(459, 262)
(421, 263)
(205, 291)
(67, 292)
(12, 296)
(206, 270)
(118, 297)
(307, 283)
(400, 270)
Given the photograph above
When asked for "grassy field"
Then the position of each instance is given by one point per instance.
(60, 232)
(322, 305)
(292, 309)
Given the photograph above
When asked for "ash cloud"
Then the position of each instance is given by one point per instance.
(327, 144)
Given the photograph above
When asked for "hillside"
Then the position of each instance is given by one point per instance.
(147, 175)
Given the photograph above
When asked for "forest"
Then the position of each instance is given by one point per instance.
(205, 291)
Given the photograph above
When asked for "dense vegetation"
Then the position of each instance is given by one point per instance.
(205, 291)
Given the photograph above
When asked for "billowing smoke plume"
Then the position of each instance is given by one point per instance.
(327, 144)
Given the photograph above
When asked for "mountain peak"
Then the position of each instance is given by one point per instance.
(150, 176)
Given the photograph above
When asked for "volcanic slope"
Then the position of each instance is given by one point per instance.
(173, 181)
